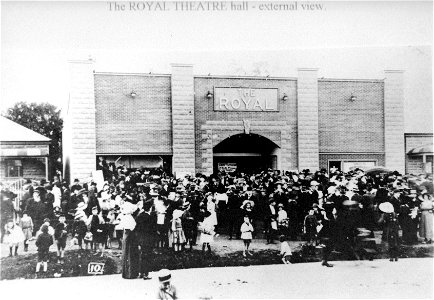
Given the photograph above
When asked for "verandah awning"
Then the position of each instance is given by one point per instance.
(422, 150)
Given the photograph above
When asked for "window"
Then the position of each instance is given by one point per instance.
(14, 168)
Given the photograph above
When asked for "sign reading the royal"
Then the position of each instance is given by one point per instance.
(245, 99)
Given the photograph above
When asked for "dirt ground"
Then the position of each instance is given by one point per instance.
(407, 278)
(225, 252)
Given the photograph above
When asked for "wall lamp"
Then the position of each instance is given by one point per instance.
(353, 98)
(133, 94)
(285, 97)
(209, 95)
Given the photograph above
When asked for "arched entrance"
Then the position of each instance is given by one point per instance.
(249, 153)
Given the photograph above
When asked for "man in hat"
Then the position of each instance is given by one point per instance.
(396, 199)
(37, 210)
(146, 231)
(271, 219)
(407, 220)
(167, 290)
(327, 234)
(76, 185)
(234, 212)
(76, 198)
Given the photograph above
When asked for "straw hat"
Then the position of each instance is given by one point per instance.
(81, 206)
(164, 275)
(386, 207)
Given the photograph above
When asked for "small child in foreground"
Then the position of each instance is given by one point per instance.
(43, 242)
(60, 236)
(246, 235)
(166, 290)
(285, 250)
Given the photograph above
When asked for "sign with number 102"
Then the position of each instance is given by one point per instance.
(95, 268)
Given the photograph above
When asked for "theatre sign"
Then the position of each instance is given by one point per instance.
(245, 99)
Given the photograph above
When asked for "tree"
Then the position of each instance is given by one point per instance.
(43, 118)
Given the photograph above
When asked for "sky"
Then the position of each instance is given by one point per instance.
(343, 39)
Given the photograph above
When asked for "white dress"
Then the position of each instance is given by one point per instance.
(210, 206)
(207, 231)
(246, 231)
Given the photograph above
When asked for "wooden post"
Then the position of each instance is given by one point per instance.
(46, 169)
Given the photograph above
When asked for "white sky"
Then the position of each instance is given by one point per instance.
(346, 40)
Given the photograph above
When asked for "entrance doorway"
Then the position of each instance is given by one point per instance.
(248, 153)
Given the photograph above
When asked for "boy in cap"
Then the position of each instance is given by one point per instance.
(166, 290)
(60, 235)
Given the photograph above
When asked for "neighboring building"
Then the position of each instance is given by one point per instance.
(419, 153)
(189, 123)
(24, 153)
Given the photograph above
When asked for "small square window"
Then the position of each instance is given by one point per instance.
(14, 168)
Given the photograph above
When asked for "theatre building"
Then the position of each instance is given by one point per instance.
(190, 123)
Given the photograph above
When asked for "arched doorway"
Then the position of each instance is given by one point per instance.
(249, 153)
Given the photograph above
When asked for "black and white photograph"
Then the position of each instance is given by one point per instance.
(216, 150)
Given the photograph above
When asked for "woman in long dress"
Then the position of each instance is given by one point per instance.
(130, 247)
(426, 218)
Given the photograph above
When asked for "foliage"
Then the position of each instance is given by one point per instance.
(43, 118)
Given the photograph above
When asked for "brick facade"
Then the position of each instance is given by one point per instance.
(351, 126)
(133, 125)
(212, 127)
(172, 115)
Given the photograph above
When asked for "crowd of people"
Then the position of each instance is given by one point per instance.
(142, 210)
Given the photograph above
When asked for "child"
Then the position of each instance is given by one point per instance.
(285, 250)
(50, 228)
(43, 242)
(391, 229)
(178, 235)
(97, 228)
(13, 236)
(60, 235)
(310, 223)
(119, 230)
(207, 232)
(246, 234)
(166, 290)
(26, 224)
(79, 227)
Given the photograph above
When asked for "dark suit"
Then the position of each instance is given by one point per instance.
(146, 229)
(270, 216)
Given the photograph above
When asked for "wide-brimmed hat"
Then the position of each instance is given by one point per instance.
(164, 275)
(386, 207)
(185, 205)
(81, 206)
(314, 182)
(153, 192)
(79, 215)
(423, 196)
(81, 192)
(177, 213)
(412, 193)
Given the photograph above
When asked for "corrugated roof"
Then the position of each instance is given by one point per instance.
(14, 132)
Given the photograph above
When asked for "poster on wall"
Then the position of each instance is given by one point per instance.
(351, 165)
(227, 167)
